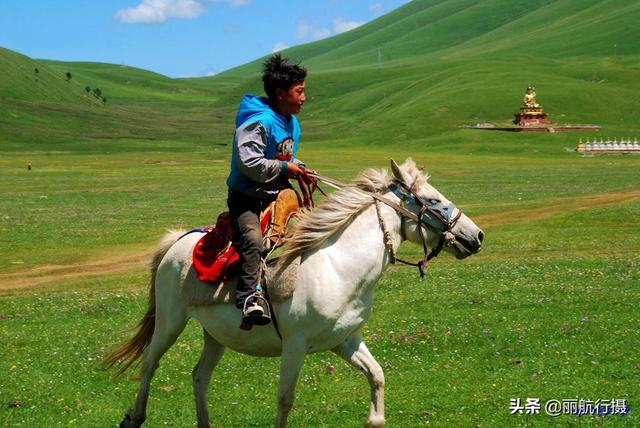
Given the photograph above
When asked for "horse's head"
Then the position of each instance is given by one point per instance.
(440, 223)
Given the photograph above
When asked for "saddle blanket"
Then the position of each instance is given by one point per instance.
(215, 257)
(281, 282)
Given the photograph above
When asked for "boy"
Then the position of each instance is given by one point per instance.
(263, 159)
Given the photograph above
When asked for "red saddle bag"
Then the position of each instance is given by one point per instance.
(214, 256)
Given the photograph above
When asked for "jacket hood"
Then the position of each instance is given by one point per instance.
(254, 107)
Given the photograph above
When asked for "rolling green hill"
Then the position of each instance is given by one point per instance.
(47, 111)
(131, 84)
(548, 309)
(27, 79)
(425, 68)
(431, 66)
(429, 30)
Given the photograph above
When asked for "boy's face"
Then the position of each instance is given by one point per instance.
(290, 102)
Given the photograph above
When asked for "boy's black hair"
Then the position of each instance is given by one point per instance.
(278, 72)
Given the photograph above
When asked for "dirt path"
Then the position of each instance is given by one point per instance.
(48, 274)
(557, 206)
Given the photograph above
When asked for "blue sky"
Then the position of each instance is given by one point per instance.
(177, 38)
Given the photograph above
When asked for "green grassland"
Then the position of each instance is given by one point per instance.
(548, 309)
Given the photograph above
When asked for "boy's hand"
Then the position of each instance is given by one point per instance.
(308, 179)
(293, 170)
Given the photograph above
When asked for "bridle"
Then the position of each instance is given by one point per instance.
(433, 215)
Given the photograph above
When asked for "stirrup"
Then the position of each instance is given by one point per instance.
(256, 310)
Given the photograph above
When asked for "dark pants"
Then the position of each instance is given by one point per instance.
(245, 215)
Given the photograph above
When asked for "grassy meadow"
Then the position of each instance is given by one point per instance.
(548, 309)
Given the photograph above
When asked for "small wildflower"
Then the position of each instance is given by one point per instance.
(15, 404)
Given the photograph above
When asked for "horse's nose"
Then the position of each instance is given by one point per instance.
(480, 236)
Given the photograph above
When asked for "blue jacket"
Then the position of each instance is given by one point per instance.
(262, 144)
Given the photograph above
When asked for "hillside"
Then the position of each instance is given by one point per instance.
(430, 30)
(431, 66)
(45, 110)
(125, 83)
(30, 80)
(415, 74)
(548, 308)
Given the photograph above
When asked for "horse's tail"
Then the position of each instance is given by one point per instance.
(131, 350)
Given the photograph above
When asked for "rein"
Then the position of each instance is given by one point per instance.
(425, 210)
(448, 224)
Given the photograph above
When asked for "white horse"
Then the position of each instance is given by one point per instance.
(345, 244)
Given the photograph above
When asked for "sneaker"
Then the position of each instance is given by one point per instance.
(255, 311)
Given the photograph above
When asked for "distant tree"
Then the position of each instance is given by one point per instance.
(36, 70)
(68, 76)
(97, 92)
(104, 100)
(88, 89)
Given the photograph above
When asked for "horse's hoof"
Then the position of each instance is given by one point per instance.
(127, 422)
(376, 422)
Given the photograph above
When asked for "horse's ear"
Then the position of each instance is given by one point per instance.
(400, 174)
(396, 171)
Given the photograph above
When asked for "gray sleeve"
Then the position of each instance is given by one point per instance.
(251, 142)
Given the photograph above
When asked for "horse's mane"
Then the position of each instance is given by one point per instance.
(337, 211)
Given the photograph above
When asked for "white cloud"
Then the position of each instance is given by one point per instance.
(303, 30)
(375, 8)
(340, 25)
(315, 31)
(280, 46)
(232, 3)
(157, 11)
(203, 73)
(311, 31)
(321, 33)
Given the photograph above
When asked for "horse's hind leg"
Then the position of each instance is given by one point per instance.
(167, 329)
(211, 354)
(356, 353)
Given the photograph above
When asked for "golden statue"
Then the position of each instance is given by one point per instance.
(530, 97)
(531, 113)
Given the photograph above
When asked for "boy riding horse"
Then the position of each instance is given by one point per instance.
(263, 159)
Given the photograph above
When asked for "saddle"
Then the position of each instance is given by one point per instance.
(215, 256)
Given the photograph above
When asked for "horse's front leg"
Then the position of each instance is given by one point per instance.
(293, 352)
(356, 353)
